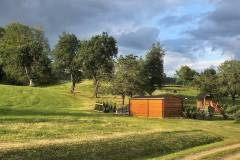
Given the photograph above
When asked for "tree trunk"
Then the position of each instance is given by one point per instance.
(233, 100)
(123, 99)
(73, 86)
(96, 87)
(31, 84)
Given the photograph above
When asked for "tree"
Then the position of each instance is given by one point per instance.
(207, 81)
(126, 79)
(1, 32)
(24, 51)
(229, 78)
(1, 67)
(97, 55)
(67, 58)
(185, 75)
(153, 68)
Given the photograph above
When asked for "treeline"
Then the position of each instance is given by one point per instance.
(26, 59)
(223, 82)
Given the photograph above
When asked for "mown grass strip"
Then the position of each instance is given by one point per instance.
(220, 155)
(137, 146)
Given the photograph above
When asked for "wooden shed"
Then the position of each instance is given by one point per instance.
(156, 106)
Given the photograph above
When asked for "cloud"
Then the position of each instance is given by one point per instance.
(140, 39)
(82, 17)
(188, 33)
(220, 29)
(173, 20)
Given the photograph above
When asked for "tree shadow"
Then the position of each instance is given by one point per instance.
(32, 116)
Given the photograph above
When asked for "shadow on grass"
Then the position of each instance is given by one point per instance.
(11, 114)
(129, 147)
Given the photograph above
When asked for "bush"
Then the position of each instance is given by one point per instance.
(237, 116)
(234, 111)
(194, 113)
(105, 106)
(190, 112)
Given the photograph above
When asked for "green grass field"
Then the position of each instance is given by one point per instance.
(50, 123)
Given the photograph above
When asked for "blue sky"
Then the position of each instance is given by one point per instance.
(198, 33)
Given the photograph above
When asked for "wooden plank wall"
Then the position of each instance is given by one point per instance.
(170, 107)
(173, 107)
(155, 108)
(139, 107)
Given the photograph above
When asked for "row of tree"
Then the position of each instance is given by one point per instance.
(137, 75)
(225, 81)
(26, 58)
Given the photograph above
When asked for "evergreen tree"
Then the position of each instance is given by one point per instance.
(153, 68)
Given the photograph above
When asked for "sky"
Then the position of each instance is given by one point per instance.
(197, 33)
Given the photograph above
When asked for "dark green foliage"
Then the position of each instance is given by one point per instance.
(234, 111)
(1, 32)
(24, 55)
(127, 78)
(194, 113)
(229, 79)
(67, 59)
(1, 72)
(105, 106)
(185, 75)
(207, 81)
(237, 116)
(129, 147)
(153, 73)
(97, 55)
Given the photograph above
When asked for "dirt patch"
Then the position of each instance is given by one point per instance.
(211, 151)
(235, 156)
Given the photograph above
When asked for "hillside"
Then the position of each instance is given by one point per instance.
(46, 118)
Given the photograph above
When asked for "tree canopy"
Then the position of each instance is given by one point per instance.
(153, 68)
(126, 78)
(67, 58)
(98, 58)
(229, 78)
(185, 75)
(24, 53)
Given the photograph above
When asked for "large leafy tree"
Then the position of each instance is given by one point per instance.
(229, 78)
(153, 68)
(24, 52)
(1, 67)
(126, 78)
(207, 81)
(185, 75)
(98, 58)
(67, 58)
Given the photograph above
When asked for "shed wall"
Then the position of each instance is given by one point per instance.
(170, 107)
(173, 107)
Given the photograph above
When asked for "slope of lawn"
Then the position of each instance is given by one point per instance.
(36, 121)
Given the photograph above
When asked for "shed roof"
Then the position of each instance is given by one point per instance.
(164, 96)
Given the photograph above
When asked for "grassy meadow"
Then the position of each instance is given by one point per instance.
(51, 123)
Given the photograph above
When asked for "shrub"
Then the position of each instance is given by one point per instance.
(105, 106)
(190, 111)
(194, 113)
(237, 116)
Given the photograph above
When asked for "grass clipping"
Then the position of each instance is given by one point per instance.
(137, 146)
